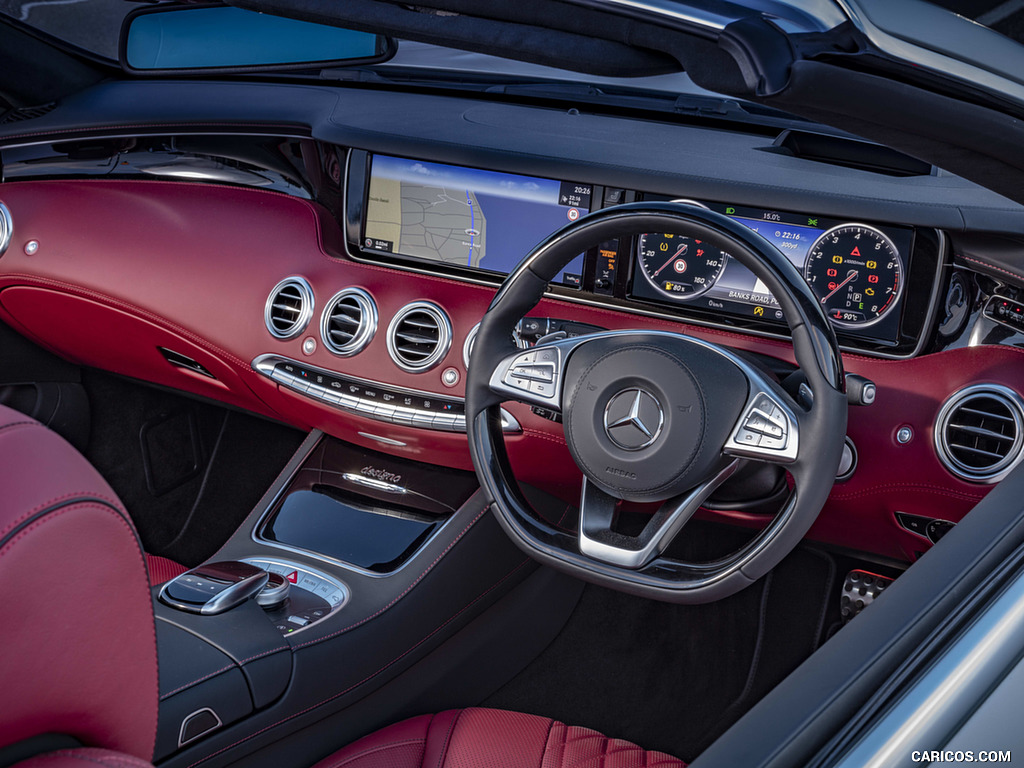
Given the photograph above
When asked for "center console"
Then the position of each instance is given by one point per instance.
(353, 566)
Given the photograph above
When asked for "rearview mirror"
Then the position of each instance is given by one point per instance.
(211, 39)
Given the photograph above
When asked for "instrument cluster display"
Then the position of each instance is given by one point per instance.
(857, 270)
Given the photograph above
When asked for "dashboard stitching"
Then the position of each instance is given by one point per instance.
(985, 264)
(369, 677)
(962, 495)
(992, 349)
(543, 436)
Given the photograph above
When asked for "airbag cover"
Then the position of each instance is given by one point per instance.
(646, 416)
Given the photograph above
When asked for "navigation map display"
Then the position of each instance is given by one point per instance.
(467, 217)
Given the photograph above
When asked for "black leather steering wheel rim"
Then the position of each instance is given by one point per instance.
(820, 424)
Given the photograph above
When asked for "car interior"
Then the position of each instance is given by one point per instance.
(366, 420)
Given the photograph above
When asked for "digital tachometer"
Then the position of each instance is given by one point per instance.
(856, 273)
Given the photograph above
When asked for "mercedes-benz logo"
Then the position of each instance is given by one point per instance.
(633, 419)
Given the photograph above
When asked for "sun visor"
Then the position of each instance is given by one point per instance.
(542, 32)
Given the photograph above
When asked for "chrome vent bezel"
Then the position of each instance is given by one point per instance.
(467, 345)
(441, 347)
(304, 292)
(364, 330)
(950, 419)
(6, 228)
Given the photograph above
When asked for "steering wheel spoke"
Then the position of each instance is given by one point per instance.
(598, 540)
(533, 376)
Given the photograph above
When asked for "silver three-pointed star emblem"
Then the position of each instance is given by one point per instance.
(633, 419)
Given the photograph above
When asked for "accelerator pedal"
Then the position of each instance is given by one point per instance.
(859, 590)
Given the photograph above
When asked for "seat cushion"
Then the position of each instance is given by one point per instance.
(492, 738)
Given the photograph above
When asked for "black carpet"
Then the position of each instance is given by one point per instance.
(187, 471)
(673, 678)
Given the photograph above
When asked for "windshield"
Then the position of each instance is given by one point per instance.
(94, 27)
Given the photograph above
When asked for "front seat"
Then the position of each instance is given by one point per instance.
(79, 672)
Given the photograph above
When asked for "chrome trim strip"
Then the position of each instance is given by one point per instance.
(384, 440)
(407, 417)
(182, 741)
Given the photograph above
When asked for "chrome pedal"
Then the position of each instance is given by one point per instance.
(859, 590)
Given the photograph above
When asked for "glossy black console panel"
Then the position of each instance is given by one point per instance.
(363, 509)
(338, 525)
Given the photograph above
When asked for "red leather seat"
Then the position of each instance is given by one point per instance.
(73, 585)
(73, 581)
(492, 738)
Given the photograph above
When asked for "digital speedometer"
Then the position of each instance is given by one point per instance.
(856, 273)
(678, 266)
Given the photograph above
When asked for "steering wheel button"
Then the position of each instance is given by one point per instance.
(746, 437)
(757, 423)
(543, 388)
(547, 355)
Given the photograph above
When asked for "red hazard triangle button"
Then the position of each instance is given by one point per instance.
(855, 252)
(293, 577)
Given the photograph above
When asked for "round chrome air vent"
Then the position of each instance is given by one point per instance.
(348, 322)
(980, 432)
(289, 308)
(6, 228)
(419, 336)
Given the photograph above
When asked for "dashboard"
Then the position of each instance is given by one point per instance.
(311, 255)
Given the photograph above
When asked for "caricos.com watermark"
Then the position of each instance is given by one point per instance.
(960, 756)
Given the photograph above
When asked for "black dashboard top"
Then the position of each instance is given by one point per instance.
(651, 154)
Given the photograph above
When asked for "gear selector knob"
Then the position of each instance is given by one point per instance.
(213, 588)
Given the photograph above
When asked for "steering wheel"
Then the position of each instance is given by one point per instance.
(657, 417)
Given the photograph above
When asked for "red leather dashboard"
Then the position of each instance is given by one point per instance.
(124, 267)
